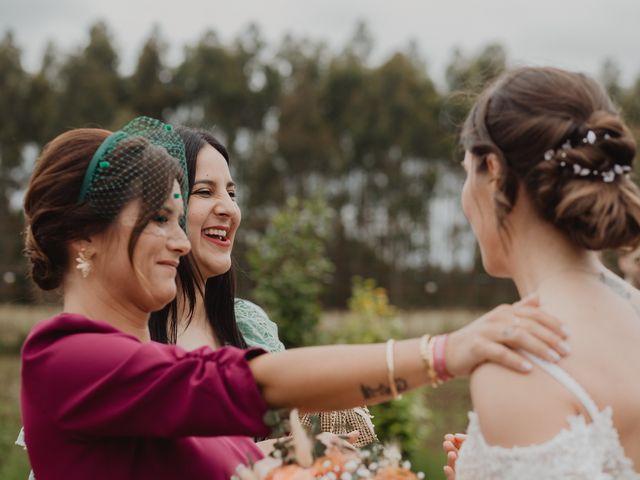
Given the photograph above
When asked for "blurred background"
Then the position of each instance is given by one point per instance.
(341, 119)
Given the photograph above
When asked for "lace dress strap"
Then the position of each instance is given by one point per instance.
(568, 381)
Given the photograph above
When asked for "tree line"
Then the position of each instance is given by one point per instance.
(374, 140)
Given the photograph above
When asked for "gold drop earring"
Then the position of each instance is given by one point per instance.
(83, 263)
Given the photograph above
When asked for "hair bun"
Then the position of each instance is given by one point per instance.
(597, 211)
(43, 271)
(559, 134)
(615, 142)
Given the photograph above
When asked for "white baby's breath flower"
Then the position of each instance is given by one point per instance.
(351, 465)
(363, 472)
(245, 473)
(392, 453)
(264, 466)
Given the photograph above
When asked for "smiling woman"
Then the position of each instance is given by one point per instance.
(206, 311)
(203, 312)
(154, 258)
(213, 213)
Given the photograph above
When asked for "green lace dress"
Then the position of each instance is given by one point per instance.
(256, 327)
(259, 331)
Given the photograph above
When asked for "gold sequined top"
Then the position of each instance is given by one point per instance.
(342, 422)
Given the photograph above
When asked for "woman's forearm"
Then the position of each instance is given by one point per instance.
(345, 376)
(337, 377)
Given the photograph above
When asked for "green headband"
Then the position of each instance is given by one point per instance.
(117, 157)
(96, 162)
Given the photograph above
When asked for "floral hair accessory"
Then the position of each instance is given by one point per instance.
(607, 176)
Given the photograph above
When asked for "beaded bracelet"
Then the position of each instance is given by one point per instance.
(433, 353)
(439, 357)
(426, 353)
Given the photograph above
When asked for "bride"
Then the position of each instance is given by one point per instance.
(548, 161)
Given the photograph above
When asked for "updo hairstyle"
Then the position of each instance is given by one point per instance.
(559, 135)
(55, 216)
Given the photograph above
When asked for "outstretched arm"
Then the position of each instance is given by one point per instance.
(337, 377)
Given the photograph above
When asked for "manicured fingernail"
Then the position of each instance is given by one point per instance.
(526, 366)
(565, 330)
(565, 347)
(553, 355)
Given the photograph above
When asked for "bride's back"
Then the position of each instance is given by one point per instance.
(603, 313)
(542, 425)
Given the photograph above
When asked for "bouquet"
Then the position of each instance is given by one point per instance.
(309, 456)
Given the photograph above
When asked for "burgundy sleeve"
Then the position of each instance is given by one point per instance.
(113, 385)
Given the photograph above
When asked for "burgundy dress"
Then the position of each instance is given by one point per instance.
(99, 404)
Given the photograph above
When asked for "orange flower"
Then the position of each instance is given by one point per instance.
(291, 472)
(395, 473)
(328, 463)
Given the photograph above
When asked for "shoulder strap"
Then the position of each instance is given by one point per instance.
(568, 381)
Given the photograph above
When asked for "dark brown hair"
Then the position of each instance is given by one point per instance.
(219, 291)
(53, 215)
(529, 111)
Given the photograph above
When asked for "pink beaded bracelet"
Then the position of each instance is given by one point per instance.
(439, 357)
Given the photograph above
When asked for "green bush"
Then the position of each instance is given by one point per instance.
(291, 268)
(372, 319)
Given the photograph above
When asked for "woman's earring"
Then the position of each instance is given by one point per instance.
(83, 263)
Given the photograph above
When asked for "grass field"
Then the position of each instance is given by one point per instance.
(13, 460)
(447, 405)
(17, 320)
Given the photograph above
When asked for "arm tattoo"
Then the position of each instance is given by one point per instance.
(383, 390)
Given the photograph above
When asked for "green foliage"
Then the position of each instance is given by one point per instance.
(91, 88)
(372, 319)
(466, 76)
(150, 90)
(14, 464)
(227, 85)
(405, 421)
(290, 267)
(473, 72)
(372, 137)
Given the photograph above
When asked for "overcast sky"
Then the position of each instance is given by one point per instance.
(574, 34)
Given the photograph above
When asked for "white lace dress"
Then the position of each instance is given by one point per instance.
(585, 451)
